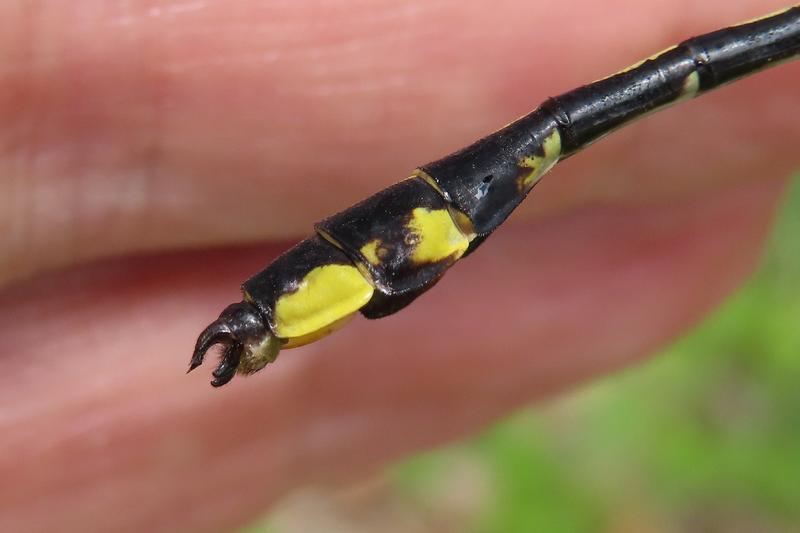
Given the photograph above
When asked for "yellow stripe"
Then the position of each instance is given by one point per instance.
(325, 295)
(370, 251)
(539, 165)
(691, 86)
(438, 236)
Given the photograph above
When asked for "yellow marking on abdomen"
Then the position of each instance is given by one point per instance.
(460, 218)
(370, 251)
(438, 236)
(325, 296)
(539, 165)
(691, 86)
(314, 336)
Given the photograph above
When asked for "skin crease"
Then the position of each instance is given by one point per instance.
(157, 138)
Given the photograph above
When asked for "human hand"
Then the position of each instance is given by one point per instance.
(139, 138)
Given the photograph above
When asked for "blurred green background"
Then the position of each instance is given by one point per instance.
(703, 437)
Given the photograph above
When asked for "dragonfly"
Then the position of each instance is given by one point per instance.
(379, 255)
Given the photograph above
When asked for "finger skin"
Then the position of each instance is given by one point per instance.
(102, 430)
(161, 126)
(142, 125)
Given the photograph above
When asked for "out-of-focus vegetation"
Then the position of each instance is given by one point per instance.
(704, 437)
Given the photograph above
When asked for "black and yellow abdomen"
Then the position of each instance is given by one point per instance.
(374, 257)
(402, 238)
(308, 290)
(379, 255)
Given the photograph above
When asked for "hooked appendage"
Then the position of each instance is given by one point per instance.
(248, 345)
